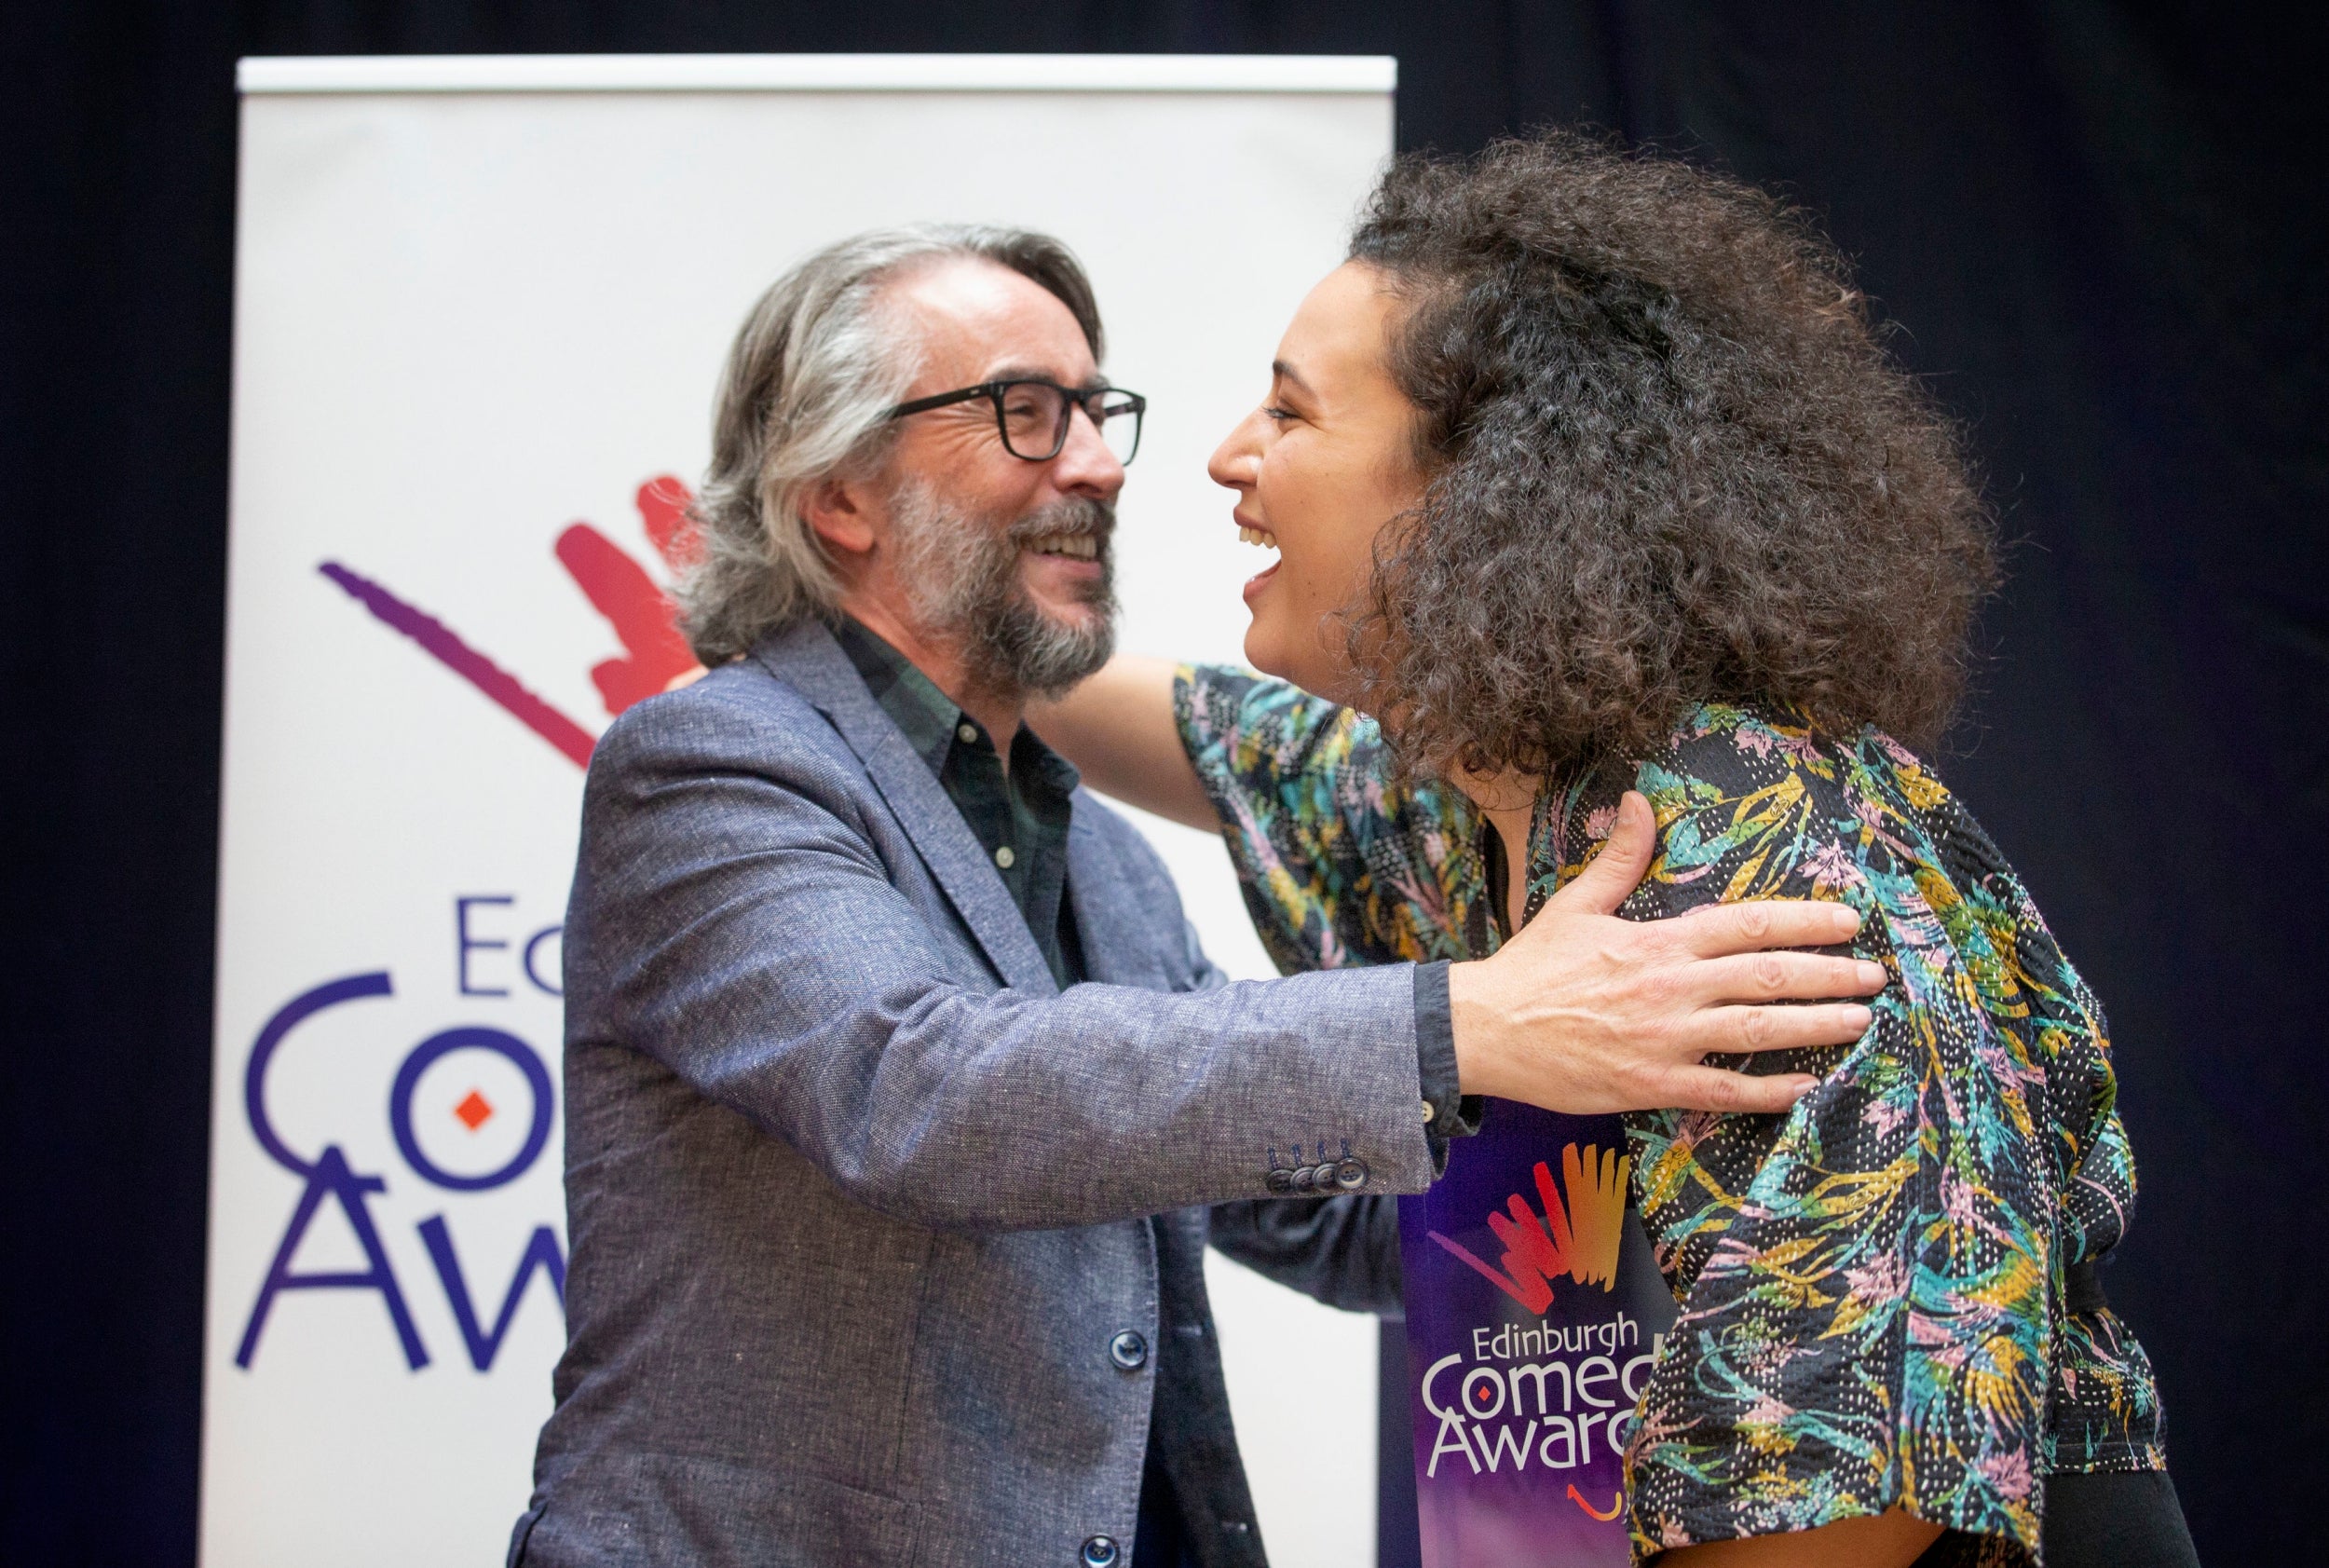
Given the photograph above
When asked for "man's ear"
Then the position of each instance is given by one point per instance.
(840, 512)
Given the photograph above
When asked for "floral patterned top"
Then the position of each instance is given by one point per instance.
(1873, 1310)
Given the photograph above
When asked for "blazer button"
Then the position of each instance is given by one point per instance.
(1351, 1174)
(1129, 1350)
(1305, 1177)
(1281, 1180)
(1100, 1552)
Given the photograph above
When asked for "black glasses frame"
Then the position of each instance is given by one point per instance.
(1089, 399)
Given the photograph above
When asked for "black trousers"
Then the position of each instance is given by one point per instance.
(2120, 1519)
(2110, 1520)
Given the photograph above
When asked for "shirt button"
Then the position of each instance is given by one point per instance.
(1129, 1350)
(1100, 1552)
(1003, 857)
(1428, 1111)
(967, 731)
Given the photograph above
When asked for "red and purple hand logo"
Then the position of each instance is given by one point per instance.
(1580, 1239)
(655, 657)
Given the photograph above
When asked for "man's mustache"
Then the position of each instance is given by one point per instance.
(1075, 519)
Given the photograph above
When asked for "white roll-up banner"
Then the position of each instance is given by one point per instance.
(480, 306)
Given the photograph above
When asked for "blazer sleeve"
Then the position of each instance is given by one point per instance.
(733, 919)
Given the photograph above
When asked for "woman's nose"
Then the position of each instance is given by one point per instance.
(1232, 464)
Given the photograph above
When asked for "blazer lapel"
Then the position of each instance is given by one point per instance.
(808, 660)
(1120, 934)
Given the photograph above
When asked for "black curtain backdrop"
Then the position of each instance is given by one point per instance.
(2094, 224)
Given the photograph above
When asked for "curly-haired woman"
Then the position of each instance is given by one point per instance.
(1587, 475)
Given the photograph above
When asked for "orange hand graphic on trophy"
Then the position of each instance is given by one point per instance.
(1579, 1239)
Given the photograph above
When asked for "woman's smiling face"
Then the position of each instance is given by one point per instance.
(1320, 468)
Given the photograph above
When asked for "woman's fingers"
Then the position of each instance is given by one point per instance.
(1783, 977)
(1773, 922)
(1708, 1088)
(1716, 1030)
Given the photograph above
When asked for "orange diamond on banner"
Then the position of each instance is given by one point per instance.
(474, 1110)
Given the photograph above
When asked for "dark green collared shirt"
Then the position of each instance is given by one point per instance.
(1019, 813)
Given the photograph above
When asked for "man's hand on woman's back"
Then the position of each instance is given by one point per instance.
(1583, 1012)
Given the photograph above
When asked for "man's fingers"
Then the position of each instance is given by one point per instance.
(1783, 976)
(1778, 1029)
(1603, 885)
(1709, 1089)
(1773, 922)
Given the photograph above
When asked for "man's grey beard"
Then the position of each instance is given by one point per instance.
(961, 577)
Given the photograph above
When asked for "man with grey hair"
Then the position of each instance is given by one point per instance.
(901, 1103)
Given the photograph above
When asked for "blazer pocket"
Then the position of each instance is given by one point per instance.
(651, 1510)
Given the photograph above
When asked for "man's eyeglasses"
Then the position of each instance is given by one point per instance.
(1032, 416)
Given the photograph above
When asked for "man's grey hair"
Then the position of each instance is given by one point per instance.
(806, 398)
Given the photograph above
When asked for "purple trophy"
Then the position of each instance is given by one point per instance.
(1534, 1317)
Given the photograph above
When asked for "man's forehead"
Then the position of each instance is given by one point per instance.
(979, 320)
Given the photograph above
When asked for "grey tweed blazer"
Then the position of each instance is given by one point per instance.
(857, 1197)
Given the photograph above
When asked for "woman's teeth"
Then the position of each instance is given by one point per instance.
(1079, 547)
(1255, 536)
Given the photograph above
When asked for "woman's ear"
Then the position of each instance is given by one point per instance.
(838, 511)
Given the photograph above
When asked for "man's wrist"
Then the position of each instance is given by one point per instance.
(1471, 1024)
(1445, 1110)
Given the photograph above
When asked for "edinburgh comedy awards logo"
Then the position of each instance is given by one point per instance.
(1545, 1372)
(470, 1108)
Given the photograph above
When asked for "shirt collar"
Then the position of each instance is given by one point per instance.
(930, 721)
(925, 715)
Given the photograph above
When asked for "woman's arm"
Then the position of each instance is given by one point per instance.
(1888, 1540)
(1117, 727)
(1865, 1282)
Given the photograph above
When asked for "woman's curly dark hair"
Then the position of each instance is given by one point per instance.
(1668, 462)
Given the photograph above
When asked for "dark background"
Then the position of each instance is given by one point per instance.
(2094, 221)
